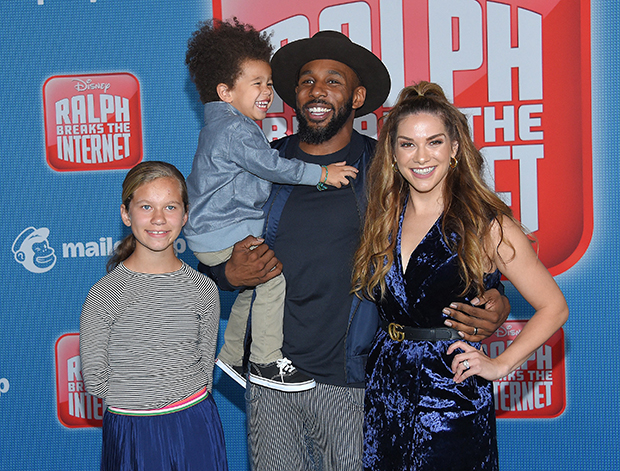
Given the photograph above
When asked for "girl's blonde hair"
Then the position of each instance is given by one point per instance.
(470, 206)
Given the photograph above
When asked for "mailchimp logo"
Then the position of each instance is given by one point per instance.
(33, 251)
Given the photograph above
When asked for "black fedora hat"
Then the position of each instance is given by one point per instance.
(289, 59)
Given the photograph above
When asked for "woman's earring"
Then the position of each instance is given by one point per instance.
(394, 166)
(453, 162)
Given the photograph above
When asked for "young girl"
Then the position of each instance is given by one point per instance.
(435, 231)
(230, 182)
(148, 333)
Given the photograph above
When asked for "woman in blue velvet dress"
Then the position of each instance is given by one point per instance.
(435, 231)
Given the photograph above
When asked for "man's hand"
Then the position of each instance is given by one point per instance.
(251, 263)
(477, 323)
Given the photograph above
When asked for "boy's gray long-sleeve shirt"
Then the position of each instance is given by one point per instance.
(231, 179)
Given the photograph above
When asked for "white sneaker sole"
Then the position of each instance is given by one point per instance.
(226, 368)
(279, 386)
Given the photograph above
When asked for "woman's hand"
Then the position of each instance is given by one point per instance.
(474, 362)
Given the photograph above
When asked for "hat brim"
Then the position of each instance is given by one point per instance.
(288, 60)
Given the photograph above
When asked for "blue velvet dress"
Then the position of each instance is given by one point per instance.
(416, 416)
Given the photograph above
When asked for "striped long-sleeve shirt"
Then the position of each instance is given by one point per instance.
(148, 340)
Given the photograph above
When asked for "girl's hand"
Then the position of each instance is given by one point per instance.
(338, 174)
(479, 364)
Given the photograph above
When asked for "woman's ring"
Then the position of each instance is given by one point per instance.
(466, 364)
(475, 331)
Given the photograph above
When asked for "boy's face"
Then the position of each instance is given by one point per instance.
(252, 93)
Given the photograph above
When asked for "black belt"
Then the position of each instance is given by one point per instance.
(399, 333)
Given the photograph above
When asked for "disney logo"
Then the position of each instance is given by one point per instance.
(507, 330)
(82, 86)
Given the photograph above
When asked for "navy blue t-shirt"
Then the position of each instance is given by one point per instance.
(317, 236)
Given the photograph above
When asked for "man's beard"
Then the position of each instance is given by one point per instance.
(319, 135)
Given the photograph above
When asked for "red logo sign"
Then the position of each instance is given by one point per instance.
(520, 69)
(76, 408)
(538, 388)
(92, 122)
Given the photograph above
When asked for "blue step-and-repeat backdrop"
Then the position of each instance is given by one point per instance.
(89, 88)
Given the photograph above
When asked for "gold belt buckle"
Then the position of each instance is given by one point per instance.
(396, 333)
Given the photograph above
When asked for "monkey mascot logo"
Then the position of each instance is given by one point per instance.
(33, 251)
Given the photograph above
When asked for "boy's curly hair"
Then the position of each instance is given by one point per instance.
(217, 50)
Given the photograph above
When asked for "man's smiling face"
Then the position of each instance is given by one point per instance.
(325, 92)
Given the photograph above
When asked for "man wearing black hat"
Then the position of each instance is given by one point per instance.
(327, 331)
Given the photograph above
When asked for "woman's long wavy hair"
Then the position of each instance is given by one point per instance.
(141, 174)
(470, 206)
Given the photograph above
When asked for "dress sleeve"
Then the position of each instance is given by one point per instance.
(493, 281)
(250, 150)
(94, 338)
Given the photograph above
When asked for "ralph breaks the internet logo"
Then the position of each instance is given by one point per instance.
(537, 389)
(519, 69)
(76, 408)
(92, 122)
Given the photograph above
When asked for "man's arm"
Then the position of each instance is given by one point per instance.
(251, 263)
(477, 322)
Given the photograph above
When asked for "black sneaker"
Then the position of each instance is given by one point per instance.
(280, 375)
(235, 372)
